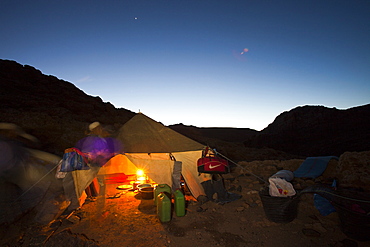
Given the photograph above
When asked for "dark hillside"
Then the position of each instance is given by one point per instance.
(224, 134)
(303, 131)
(53, 110)
(58, 113)
(317, 131)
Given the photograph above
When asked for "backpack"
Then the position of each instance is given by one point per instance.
(73, 159)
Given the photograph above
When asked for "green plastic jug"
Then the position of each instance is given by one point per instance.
(179, 203)
(164, 207)
(161, 188)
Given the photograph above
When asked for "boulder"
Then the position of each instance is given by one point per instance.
(353, 170)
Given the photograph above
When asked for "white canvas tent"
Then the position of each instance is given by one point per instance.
(161, 152)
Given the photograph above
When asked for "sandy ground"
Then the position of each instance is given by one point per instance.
(123, 218)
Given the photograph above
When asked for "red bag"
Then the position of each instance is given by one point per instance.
(210, 163)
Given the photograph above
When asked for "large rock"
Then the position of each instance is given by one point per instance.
(266, 168)
(353, 170)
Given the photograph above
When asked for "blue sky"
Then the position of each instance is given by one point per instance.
(206, 63)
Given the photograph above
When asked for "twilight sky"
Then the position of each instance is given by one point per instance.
(207, 63)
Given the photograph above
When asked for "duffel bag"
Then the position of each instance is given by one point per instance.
(211, 163)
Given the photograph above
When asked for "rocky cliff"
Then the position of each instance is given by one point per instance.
(303, 131)
(317, 131)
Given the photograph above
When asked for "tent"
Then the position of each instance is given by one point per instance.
(161, 152)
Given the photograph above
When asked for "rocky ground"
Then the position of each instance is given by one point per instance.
(124, 218)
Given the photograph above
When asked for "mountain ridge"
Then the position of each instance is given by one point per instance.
(58, 113)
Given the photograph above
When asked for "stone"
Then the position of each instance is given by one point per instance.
(240, 209)
(74, 219)
(311, 233)
(353, 170)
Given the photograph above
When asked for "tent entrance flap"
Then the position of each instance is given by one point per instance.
(158, 167)
(160, 171)
(190, 171)
(176, 175)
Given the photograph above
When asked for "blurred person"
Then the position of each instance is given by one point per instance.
(100, 147)
(17, 175)
(13, 142)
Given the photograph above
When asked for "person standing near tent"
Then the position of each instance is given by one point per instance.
(99, 148)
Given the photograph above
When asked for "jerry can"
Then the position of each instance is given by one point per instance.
(179, 203)
(164, 207)
(161, 188)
